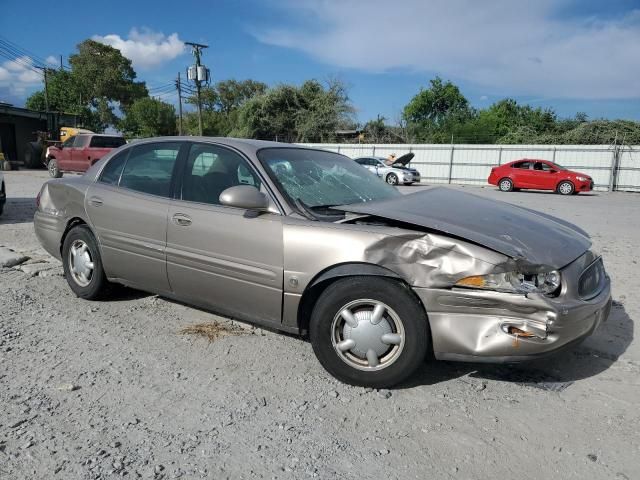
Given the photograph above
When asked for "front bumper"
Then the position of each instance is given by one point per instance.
(585, 186)
(473, 325)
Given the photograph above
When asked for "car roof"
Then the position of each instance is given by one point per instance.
(531, 160)
(245, 145)
(110, 135)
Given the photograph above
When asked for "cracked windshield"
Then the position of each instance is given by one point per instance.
(323, 179)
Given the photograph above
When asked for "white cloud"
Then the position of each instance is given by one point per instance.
(505, 46)
(19, 75)
(52, 61)
(145, 48)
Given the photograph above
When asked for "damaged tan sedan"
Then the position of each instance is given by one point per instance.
(308, 241)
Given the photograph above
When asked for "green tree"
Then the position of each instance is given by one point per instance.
(220, 105)
(309, 113)
(435, 110)
(100, 80)
(149, 117)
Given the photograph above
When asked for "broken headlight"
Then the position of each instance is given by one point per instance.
(546, 283)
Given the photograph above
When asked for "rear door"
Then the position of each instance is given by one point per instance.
(521, 174)
(128, 207)
(218, 256)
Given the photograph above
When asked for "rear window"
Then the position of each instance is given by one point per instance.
(149, 168)
(112, 170)
(107, 142)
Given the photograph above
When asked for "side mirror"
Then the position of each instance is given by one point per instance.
(553, 171)
(244, 196)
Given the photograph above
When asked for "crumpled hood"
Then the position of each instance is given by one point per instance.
(522, 234)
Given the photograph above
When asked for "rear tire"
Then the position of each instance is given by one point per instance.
(371, 354)
(33, 155)
(565, 188)
(83, 265)
(505, 185)
(54, 170)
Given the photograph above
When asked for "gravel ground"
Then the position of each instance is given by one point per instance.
(112, 389)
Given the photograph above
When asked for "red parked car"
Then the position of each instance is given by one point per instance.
(539, 175)
(79, 152)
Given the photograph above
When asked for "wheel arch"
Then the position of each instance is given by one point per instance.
(72, 223)
(331, 274)
(566, 180)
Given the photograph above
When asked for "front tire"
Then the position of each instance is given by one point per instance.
(83, 265)
(369, 331)
(565, 188)
(505, 185)
(54, 170)
(392, 179)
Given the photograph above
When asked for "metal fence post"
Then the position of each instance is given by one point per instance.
(373, 153)
(451, 163)
(615, 162)
(500, 156)
(553, 158)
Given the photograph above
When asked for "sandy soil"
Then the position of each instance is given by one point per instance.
(112, 389)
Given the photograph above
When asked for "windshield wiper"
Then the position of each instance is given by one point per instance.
(304, 210)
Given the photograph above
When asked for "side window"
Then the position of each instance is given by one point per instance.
(69, 142)
(111, 172)
(361, 161)
(545, 167)
(81, 141)
(522, 165)
(149, 168)
(210, 170)
(106, 142)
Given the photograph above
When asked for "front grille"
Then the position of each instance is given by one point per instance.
(591, 281)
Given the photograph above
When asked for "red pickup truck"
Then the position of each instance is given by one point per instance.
(79, 152)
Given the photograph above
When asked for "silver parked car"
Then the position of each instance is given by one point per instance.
(306, 241)
(393, 174)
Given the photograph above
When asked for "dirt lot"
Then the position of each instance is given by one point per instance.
(103, 390)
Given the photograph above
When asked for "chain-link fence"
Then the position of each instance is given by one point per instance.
(611, 167)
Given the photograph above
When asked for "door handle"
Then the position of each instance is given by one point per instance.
(182, 220)
(95, 201)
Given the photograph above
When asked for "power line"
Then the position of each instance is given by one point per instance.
(18, 61)
(22, 51)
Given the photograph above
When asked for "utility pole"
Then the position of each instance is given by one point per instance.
(179, 87)
(61, 65)
(46, 87)
(198, 73)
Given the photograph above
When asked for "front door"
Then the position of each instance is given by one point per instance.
(218, 256)
(79, 161)
(64, 157)
(545, 176)
(128, 206)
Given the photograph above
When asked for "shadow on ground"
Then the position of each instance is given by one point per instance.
(556, 372)
(18, 210)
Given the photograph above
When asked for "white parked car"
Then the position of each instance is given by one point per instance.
(394, 174)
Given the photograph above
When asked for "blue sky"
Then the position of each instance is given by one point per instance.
(572, 55)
